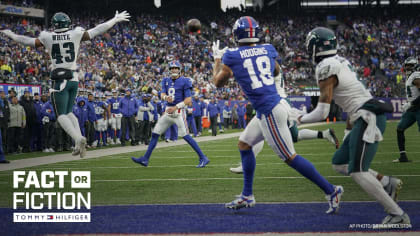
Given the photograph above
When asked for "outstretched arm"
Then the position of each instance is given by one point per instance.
(323, 108)
(22, 39)
(102, 28)
(221, 73)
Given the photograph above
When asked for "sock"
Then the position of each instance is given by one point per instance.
(342, 169)
(75, 123)
(372, 186)
(307, 134)
(384, 181)
(98, 136)
(118, 133)
(152, 145)
(248, 164)
(194, 145)
(67, 126)
(401, 142)
(257, 148)
(305, 168)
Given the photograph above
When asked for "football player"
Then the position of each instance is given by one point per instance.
(254, 68)
(176, 90)
(303, 134)
(411, 109)
(63, 47)
(337, 80)
(115, 120)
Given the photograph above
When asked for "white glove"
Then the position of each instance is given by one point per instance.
(294, 114)
(218, 53)
(123, 16)
(45, 120)
(406, 106)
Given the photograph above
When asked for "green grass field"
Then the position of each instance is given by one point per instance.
(172, 177)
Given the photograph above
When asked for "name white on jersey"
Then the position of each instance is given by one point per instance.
(63, 47)
(350, 94)
(412, 91)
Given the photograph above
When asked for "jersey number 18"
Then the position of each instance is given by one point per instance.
(264, 69)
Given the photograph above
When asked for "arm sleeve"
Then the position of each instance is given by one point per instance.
(101, 28)
(22, 39)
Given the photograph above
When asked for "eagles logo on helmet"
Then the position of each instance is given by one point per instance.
(321, 42)
(61, 22)
(410, 65)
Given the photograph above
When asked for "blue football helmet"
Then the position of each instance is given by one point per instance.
(246, 30)
(175, 64)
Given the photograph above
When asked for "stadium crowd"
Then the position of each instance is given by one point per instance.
(134, 56)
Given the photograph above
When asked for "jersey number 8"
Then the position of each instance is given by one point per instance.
(264, 69)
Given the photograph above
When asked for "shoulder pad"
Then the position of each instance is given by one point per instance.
(326, 68)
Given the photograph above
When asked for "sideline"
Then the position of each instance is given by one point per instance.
(37, 161)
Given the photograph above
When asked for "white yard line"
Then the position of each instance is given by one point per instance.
(239, 178)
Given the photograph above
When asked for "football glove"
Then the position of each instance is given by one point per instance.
(406, 106)
(123, 16)
(294, 114)
(218, 53)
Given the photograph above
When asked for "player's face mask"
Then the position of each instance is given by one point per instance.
(175, 72)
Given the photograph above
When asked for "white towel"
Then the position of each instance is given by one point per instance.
(372, 132)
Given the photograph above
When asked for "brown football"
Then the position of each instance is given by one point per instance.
(193, 25)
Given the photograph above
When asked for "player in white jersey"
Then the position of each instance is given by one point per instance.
(338, 81)
(63, 47)
(303, 134)
(411, 109)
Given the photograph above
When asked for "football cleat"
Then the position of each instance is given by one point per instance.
(241, 201)
(334, 200)
(82, 147)
(203, 162)
(237, 170)
(141, 160)
(76, 151)
(329, 134)
(401, 160)
(394, 219)
(393, 187)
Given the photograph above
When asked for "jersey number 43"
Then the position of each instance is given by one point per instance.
(56, 52)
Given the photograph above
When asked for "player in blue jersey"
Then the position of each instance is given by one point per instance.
(254, 68)
(115, 119)
(176, 90)
(101, 111)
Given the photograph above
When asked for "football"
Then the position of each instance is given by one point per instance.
(193, 25)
